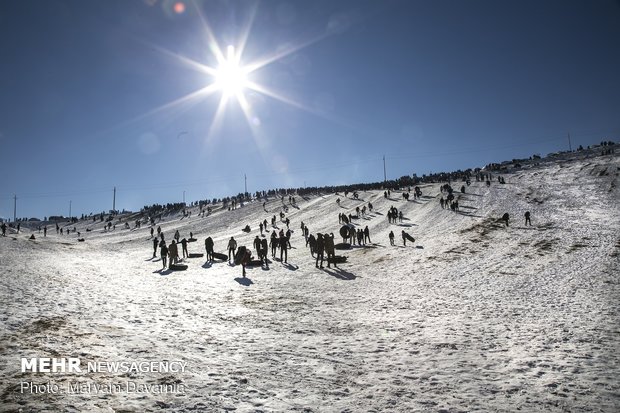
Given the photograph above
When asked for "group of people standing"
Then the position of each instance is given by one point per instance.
(169, 253)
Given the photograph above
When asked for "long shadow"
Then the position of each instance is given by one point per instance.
(468, 214)
(244, 281)
(290, 266)
(419, 247)
(340, 274)
(467, 207)
(151, 259)
(405, 225)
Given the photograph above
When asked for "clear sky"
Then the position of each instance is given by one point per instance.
(142, 95)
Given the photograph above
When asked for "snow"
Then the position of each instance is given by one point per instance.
(473, 316)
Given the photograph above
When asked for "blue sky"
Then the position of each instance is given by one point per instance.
(88, 92)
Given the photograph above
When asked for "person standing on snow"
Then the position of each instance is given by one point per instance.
(232, 248)
(155, 244)
(328, 241)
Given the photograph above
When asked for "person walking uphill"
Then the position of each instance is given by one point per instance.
(527, 218)
(232, 248)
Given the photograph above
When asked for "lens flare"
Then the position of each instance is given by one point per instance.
(179, 7)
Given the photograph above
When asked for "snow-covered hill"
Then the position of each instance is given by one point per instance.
(473, 316)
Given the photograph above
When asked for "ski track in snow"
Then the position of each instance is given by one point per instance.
(473, 316)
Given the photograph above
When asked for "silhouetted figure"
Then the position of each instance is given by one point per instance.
(257, 245)
(527, 218)
(263, 251)
(391, 237)
(505, 218)
(155, 244)
(319, 249)
(328, 242)
(245, 260)
(209, 248)
(232, 248)
(163, 251)
(173, 253)
(312, 243)
(273, 242)
(283, 247)
(184, 248)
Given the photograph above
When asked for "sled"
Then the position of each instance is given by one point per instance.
(196, 255)
(220, 256)
(409, 238)
(192, 240)
(255, 263)
(343, 246)
(178, 267)
(345, 231)
(338, 259)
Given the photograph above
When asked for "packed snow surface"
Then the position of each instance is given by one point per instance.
(472, 316)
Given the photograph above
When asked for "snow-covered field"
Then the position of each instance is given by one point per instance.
(474, 316)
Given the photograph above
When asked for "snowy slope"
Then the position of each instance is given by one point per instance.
(474, 316)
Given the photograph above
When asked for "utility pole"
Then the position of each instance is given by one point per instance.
(114, 202)
(570, 149)
(70, 209)
(15, 208)
(384, 175)
(245, 178)
(183, 197)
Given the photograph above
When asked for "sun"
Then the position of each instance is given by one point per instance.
(230, 77)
